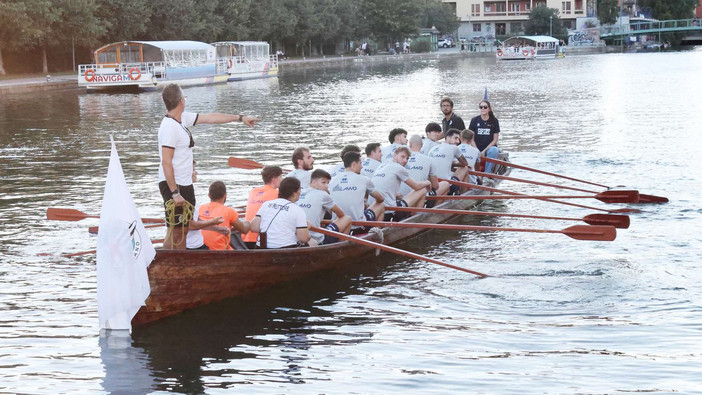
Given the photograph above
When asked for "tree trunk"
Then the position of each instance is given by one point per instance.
(2, 69)
(45, 65)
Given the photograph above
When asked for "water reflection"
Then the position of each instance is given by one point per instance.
(127, 369)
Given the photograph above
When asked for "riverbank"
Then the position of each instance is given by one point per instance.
(69, 80)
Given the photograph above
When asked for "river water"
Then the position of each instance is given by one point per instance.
(559, 315)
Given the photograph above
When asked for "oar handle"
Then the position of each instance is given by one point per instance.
(510, 164)
(544, 184)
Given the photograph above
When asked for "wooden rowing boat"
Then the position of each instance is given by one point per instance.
(182, 280)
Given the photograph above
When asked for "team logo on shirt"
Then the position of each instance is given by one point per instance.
(483, 131)
(135, 239)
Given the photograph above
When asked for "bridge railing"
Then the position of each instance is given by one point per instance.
(651, 26)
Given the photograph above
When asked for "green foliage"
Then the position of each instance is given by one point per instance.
(440, 15)
(421, 44)
(607, 11)
(670, 9)
(542, 20)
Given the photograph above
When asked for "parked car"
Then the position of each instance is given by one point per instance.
(446, 43)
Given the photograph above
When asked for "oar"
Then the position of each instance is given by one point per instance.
(618, 221)
(606, 196)
(244, 163)
(368, 243)
(495, 190)
(94, 229)
(578, 232)
(643, 198)
(632, 192)
(94, 251)
(69, 214)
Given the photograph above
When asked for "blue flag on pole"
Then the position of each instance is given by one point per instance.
(485, 94)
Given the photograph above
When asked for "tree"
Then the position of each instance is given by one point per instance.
(391, 19)
(118, 18)
(670, 9)
(440, 15)
(544, 21)
(607, 11)
(14, 21)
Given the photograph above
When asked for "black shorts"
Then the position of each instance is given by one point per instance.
(397, 216)
(330, 239)
(454, 189)
(430, 203)
(186, 191)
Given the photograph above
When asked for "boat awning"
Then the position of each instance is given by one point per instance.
(165, 45)
(537, 39)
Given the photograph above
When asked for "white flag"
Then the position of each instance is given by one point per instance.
(124, 251)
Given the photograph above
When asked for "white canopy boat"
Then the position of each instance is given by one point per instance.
(529, 48)
(247, 59)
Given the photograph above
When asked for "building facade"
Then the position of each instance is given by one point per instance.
(490, 18)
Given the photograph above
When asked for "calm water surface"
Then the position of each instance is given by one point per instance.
(560, 316)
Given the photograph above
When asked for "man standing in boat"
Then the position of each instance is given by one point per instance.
(387, 180)
(450, 120)
(304, 163)
(175, 143)
(280, 222)
(316, 202)
(349, 189)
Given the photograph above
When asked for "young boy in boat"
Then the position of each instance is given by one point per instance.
(372, 160)
(470, 152)
(316, 201)
(349, 190)
(387, 180)
(421, 168)
(175, 148)
(280, 222)
(304, 163)
(194, 239)
(433, 135)
(338, 168)
(397, 138)
(230, 218)
(443, 155)
(272, 177)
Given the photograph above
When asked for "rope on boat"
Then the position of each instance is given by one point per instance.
(379, 233)
(173, 219)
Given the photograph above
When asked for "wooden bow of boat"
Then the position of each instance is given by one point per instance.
(182, 280)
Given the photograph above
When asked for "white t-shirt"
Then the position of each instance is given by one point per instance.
(369, 166)
(302, 175)
(176, 135)
(193, 239)
(348, 190)
(427, 145)
(286, 216)
(315, 203)
(443, 155)
(471, 154)
(388, 151)
(336, 169)
(387, 180)
(420, 168)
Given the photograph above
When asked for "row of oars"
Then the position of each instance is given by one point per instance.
(601, 226)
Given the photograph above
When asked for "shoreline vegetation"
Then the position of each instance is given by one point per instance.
(39, 35)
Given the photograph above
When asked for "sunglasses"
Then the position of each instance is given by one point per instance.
(483, 107)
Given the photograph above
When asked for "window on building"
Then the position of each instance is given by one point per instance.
(500, 7)
(500, 29)
(515, 27)
(514, 7)
(488, 8)
(527, 6)
(475, 9)
(565, 7)
(477, 27)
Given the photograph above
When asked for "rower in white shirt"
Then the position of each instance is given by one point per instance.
(372, 160)
(421, 168)
(304, 163)
(338, 168)
(470, 152)
(443, 156)
(280, 223)
(433, 135)
(397, 138)
(316, 202)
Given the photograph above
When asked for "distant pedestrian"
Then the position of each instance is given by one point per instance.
(397, 47)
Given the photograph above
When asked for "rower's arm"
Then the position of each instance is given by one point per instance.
(462, 162)
(434, 180)
(303, 234)
(226, 118)
(338, 211)
(255, 225)
(199, 224)
(377, 196)
(242, 226)
(417, 185)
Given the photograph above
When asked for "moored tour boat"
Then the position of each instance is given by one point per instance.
(247, 59)
(529, 48)
(147, 65)
(182, 280)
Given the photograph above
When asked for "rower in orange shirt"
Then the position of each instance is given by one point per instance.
(272, 176)
(230, 218)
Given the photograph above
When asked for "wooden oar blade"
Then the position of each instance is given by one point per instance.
(618, 196)
(618, 221)
(243, 163)
(643, 198)
(624, 210)
(591, 232)
(65, 214)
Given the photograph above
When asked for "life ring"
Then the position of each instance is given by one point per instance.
(525, 52)
(231, 63)
(499, 52)
(131, 74)
(89, 75)
(532, 51)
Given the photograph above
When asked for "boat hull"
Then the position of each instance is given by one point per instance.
(182, 280)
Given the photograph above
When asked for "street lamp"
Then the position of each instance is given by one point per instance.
(550, 25)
